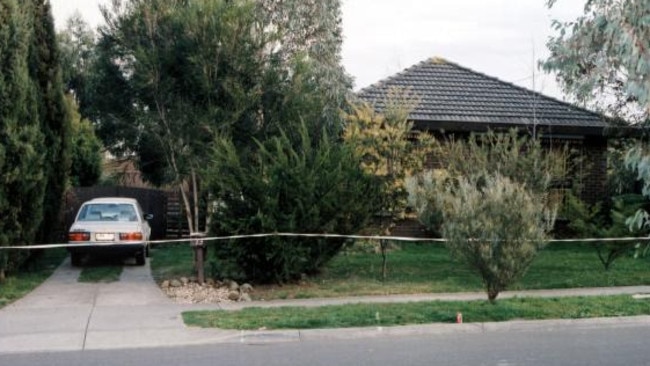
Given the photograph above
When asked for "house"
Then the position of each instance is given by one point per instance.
(452, 99)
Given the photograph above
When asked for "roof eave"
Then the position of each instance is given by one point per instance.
(546, 129)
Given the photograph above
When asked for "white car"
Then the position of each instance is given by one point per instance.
(111, 224)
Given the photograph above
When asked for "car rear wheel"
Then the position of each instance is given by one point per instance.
(140, 257)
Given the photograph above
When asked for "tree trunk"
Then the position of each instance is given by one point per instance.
(188, 209)
(492, 293)
(384, 259)
(195, 192)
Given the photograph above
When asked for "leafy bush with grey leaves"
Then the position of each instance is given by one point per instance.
(495, 225)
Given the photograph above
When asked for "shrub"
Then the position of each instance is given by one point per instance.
(494, 225)
(423, 190)
(606, 221)
(285, 187)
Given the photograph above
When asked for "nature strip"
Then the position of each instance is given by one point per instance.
(250, 236)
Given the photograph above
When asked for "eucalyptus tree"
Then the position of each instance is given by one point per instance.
(309, 33)
(604, 57)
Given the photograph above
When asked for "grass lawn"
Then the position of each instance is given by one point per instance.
(364, 315)
(19, 284)
(427, 268)
(104, 273)
(104, 269)
(173, 260)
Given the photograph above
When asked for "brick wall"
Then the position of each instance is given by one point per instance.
(411, 228)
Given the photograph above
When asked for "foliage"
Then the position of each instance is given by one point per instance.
(22, 180)
(518, 157)
(604, 55)
(638, 159)
(45, 70)
(491, 202)
(423, 190)
(594, 222)
(496, 226)
(190, 71)
(86, 154)
(288, 187)
(167, 56)
(387, 150)
(621, 177)
(306, 38)
(35, 272)
(77, 53)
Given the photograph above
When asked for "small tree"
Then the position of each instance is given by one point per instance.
(390, 150)
(593, 221)
(494, 225)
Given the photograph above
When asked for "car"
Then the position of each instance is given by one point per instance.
(112, 225)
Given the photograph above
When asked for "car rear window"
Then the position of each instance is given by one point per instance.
(107, 212)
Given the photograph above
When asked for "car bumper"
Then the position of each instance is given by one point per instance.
(100, 247)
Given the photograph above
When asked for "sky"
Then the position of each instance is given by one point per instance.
(500, 38)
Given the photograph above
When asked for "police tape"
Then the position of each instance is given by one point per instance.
(302, 235)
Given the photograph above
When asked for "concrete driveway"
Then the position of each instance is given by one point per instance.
(63, 315)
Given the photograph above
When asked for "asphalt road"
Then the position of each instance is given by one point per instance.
(558, 345)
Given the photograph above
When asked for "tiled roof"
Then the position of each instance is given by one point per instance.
(450, 93)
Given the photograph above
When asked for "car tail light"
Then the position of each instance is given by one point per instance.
(78, 236)
(130, 236)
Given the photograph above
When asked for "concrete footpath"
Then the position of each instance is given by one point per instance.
(65, 315)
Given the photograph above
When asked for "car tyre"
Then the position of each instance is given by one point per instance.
(75, 259)
(140, 257)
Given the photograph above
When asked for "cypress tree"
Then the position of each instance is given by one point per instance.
(45, 70)
(21, 142)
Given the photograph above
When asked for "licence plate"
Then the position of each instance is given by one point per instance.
(104, 236)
